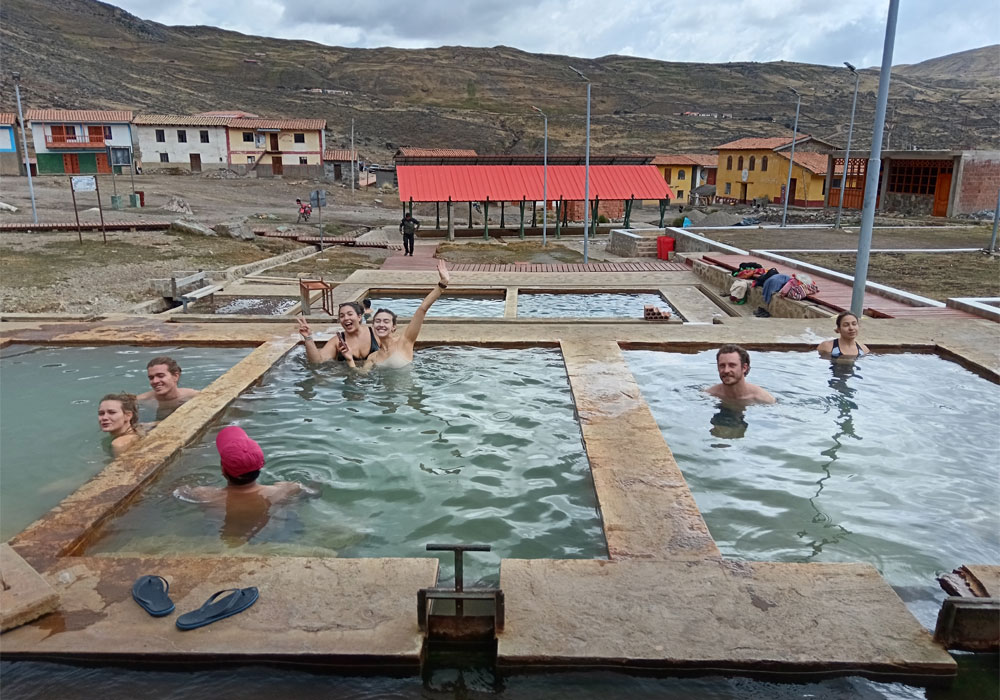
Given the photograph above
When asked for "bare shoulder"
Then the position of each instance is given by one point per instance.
(763, 396)
(864, 348)
(825, 347)
(715, 390)
(145, 396)
(187, 393)
(122, 443)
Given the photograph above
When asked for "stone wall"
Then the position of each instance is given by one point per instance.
(980, 183)
(908, 204)
(780, 307)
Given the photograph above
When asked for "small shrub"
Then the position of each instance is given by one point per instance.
(602, 219)
(678, 222)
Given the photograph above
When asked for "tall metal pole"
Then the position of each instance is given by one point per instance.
(24, 145)
(586, 177)
(791, 158)
(352, 154)
(874, 166)
(847, 153)
(545, 180)
(996, 223)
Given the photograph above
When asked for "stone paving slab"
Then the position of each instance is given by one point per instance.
(348, 611)
(599, 280)
(647, 509)
(24, 594)
(713, 615)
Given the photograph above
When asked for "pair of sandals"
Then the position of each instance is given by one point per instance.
(761, 312)
(152, 593)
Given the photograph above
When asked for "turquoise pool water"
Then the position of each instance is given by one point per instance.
(481, 306)
(893, 460)
(49, 440)
(472, 445)
(591, 305)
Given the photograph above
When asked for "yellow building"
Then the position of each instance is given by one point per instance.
(752, 168)
(686, 171)
(271, 147)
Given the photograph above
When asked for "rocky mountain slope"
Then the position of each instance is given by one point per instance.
(87, 54)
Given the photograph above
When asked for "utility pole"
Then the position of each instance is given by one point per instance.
(847, 153)
(874, 166)
(24, 144)
(586, 176)
(352, 154)
(791, 158)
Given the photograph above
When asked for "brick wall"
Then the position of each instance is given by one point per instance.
(614, 209)
(979, 185)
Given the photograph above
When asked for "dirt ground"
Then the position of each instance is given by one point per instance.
(334, 264)
(53, 272)
(972, 236)
(935, 275)
(517, 251)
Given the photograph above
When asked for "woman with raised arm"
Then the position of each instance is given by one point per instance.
(356, 342)
(397, 350)
(847, 344)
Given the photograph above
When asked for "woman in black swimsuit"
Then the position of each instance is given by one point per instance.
(847, 344)
(353, 340)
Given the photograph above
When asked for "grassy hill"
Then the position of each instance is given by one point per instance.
(87, 54)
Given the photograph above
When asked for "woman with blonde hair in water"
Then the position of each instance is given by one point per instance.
(396, 350)
(847, 345)
(118, 416)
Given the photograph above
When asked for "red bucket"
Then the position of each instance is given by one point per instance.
(664, 246)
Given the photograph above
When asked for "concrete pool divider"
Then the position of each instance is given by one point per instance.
(67, 528)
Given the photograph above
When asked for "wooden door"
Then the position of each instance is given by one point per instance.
(58, 135)
(71, 163)
(277, 167)
(942, 190)
(196, 162)
(102, 163)
(274, 142)
(743, 192)
(95, 134)
(791, 191)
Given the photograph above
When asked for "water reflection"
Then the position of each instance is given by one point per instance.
(729, 422)
(841, 400)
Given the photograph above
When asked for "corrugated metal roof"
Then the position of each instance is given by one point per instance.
(8, 119)
(78, 115)
(523, 159)
(178, 120)
(435, 152)
(686, 159)
(476, 183)
(304, 124)
(339, 154)
(231, 114)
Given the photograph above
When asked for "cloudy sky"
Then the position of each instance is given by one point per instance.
(810, 31)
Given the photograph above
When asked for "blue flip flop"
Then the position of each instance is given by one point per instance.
(151, 593)
(215, 608)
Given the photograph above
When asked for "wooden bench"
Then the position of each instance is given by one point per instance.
(185, 298)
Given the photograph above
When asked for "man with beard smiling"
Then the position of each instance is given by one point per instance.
(164, 374)
(733, 363)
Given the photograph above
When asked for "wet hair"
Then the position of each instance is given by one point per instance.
(358, 308)
(367, 303)
(385, 311)
(242, 479)
(170, 362)
(844, 314)
(739, 350)
(129, 405)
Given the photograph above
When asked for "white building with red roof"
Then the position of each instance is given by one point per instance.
(189, 142)
(80, 140)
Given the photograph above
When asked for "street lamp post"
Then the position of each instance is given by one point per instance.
(24, 143)
(545, 179)
(791, 158)
(874, 166)
(586, 175)
(847, 153)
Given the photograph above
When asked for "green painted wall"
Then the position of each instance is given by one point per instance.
(88, 162)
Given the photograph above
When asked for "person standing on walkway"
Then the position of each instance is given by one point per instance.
(408, 227)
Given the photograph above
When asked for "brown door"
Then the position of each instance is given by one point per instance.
(942, 190)
(71, 163)
(102, 163)
(711, 177)
(277, 168)
(274, 142)
(95, 134)
(743, 192)
(791, 191)
(196, 162)
(58, 135)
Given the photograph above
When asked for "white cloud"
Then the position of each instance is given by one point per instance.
(708, 31)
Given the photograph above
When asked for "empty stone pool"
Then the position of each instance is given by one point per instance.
(50, 443)
(469, 445)
(474, 305)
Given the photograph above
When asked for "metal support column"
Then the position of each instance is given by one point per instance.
(534, 210)
(451, 223)
(486, 219)
(628, 211)
(437, 215)
(503, 206)
(559, 207)
(522, 219)
(470, 215)
(664, 203)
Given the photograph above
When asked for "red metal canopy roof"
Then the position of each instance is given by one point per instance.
(509, 183)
